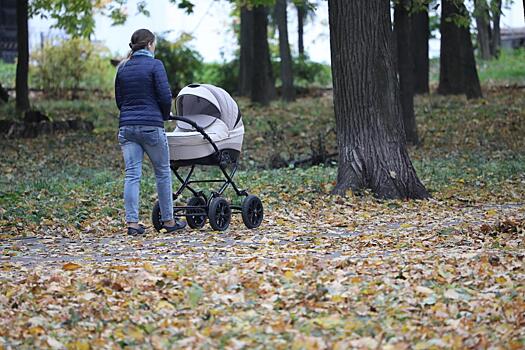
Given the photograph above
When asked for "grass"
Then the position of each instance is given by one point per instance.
(508, 69)
(471, 151)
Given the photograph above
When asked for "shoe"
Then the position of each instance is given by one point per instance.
(179, 225)
(136, 231)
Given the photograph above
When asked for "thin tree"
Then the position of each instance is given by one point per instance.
(495, 39)
(263, 83)
(482, 16)
(370, 137)
(280, 14)
(22, 65)
(405, 66)
(457, 73)
(300, 5)
(246, 63)
(420, 35)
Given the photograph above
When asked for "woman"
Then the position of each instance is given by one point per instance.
(143, 97)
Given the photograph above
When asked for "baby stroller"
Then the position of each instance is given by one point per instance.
(209, 132)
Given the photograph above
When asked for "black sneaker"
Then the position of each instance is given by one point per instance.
(179, 225)
(136, 231)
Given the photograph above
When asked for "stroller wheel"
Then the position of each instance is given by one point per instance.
(196, 221)
(219, 214)
(252, 211)
(156, 216)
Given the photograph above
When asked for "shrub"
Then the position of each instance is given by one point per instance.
(7, 74)
(225, 75)
(72, 65)
(180, 60)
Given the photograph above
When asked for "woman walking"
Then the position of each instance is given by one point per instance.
(144, 98)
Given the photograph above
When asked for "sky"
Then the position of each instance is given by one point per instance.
(211, 27)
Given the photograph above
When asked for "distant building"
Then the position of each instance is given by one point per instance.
(8, 44)
(512, 38)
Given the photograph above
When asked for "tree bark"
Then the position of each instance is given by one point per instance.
(287, 90)
(263, 83)
(483, 26)
(370, 136)
(405, 67)
(22, 65)
(420, 35)
(301, 15)
(457, 73)
(495, 40)
(246, 52)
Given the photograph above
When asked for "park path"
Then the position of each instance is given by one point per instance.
(343, 232)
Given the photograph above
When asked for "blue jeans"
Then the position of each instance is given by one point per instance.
(134, 141)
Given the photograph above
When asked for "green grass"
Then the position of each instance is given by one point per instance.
(509, 68)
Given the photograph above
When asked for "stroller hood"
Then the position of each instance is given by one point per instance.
(209, 100)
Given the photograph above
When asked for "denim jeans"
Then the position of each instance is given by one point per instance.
(134, 141)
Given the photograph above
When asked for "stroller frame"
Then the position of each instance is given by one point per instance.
(215, 208)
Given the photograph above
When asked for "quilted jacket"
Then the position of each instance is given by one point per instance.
(142, 92)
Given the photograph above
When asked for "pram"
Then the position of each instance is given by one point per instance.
(209, 132)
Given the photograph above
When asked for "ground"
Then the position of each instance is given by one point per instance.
(322, 272)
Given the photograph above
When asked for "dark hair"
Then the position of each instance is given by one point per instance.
(140, 39)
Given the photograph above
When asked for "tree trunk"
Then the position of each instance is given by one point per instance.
(405, 67)
(263, 84)
(370, 134)
(246, 54)
(495, 40)
(301, 15)
(457, 72)
(288, 90)
(22, 65)
(420, 34)
(481, 13)
(4, 95)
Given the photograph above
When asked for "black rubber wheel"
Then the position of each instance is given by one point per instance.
(252, 211)
(156, 216)
(219, 213)
(196, 221)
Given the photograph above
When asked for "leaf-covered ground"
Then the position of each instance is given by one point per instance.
(322, 271)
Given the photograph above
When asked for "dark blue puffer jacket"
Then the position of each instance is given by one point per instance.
(142, 92)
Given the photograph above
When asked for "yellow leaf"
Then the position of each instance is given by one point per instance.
(491, 212)
(71, 266)
(289, 275)
(148, 267)
(501, 280)
(78, 345)
(405, 225)
(163, 304)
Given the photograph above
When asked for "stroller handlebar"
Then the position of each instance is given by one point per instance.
(198, 128)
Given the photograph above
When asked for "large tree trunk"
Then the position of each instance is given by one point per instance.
(420, 34)
(370, 134)
(22, 65)
(301, 15)
(457, 73)
(263, 84)
(481, 13)
(405, 67)
(246, 54)
(495, 40)
(288, 90)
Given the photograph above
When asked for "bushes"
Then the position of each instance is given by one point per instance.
(225, 75)
(70, 66)
(180, 60)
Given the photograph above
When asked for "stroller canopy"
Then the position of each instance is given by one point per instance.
(204, 101)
